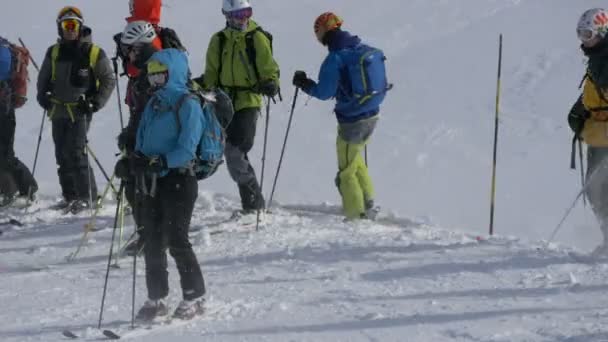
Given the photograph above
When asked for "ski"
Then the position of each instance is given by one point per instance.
(12, 222)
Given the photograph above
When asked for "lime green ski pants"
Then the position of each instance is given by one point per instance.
(353, 180)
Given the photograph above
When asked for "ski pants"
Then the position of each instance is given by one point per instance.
(353, 180)
(70, 140)
(240, 136)
(16, 171)
(166, 220)
(597, 187)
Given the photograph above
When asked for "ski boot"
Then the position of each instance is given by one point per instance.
(151, 310)
(188, 309)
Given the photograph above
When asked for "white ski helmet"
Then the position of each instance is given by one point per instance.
(234, 5)
(138, 32)
(593, 23)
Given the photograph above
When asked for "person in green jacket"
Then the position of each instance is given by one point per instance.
(239, 61)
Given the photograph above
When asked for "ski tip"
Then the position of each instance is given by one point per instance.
(111, 335)
(15, 223)
(69, 334)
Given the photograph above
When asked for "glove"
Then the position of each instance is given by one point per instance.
(147, 165)
(268, 88)
(126, 141)
(122, 169)
(200, 81)
(86, 107)
(301, 81)
(45, 101)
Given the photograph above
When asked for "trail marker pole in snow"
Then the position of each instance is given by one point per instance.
(105, 285)
(276, 176)
(493, 191)
(257, 221)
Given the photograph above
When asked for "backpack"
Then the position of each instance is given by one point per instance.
(367, 83)
(249, 48)
(169, 39)
(218, 112)
(14, 61)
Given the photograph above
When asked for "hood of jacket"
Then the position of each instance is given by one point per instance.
(179, 73)
(148, 10)
(338, 40)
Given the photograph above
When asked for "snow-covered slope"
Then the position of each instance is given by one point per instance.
(307, 276)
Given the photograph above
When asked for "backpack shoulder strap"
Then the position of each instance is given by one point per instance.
(94, 55)
(178, 107)
(221, 36)
(54, 56)
(250, 47)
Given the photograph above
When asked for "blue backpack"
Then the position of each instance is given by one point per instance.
(218, 112)
(366, 71)
(6, 58)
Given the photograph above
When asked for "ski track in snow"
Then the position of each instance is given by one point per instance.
(307, 276)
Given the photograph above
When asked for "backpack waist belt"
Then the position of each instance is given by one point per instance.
(69, 106)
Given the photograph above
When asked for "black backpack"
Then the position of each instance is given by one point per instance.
(169, 39)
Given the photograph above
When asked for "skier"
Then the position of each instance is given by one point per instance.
(588, 117)
(357, 116)
(138, 42)
(16, 177)
(75, 81)
(239, 61)
(162, 161)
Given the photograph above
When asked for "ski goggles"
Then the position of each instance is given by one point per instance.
(70, 25)
(585, 35)
(244, 13)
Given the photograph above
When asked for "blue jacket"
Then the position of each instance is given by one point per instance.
(333, 80)
(158, 133)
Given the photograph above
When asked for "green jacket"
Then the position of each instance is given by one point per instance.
(238, 77)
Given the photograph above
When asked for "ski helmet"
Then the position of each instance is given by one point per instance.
(138, 32)
(70, 12)
(592, 24)
(326, 22)
(235, 5)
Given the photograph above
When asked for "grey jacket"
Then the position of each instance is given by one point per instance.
(68, 87)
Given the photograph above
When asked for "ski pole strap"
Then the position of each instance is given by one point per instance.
(573, 153)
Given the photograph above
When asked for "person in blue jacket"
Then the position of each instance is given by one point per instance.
(162, 163)
(357, 116)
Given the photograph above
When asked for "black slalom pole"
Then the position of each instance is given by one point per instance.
(105, 285)
(257, 222)
(276, 176)
(493, 193)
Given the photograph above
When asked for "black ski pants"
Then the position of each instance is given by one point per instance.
(166, 220)
(9, 163)
(240, 136)
(70, 140)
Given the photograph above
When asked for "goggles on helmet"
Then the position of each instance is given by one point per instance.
(243, 13)
(70, 25)
(585, 35)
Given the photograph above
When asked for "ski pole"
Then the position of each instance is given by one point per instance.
(591, 176)
(115, 64)
(89, 170)
(121, 224)
(105, 285)
(31, 58)
(493, 191)
(29, 191)
(276, 176)
(366, 163)
(580, 156)
(103, 171)
(257, 223)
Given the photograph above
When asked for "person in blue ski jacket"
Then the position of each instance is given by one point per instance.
(357, 116)
(162, 163)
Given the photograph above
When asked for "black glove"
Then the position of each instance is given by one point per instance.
(268, 88)
(45, 101)
(126, 141)
(122, 169)
(301, 81)
(86, 107)
(147, 165)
